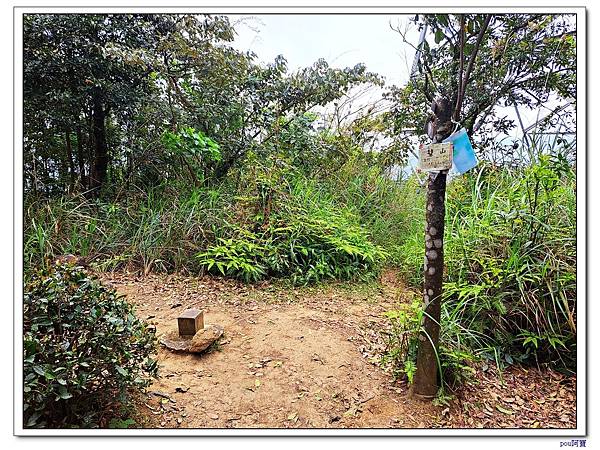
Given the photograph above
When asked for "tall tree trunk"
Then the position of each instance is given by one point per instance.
(70, 159)
(34, 177)
(426, 377)
(129, 171)
(80, 158)
(100, 166)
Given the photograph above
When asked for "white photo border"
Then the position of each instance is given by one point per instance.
(581, 133)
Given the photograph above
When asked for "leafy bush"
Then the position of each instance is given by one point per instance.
(290, 226)
(83, 349)
(195, 149)
(239, 258)
(301, 247)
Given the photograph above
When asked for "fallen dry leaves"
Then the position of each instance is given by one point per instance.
(516, 398)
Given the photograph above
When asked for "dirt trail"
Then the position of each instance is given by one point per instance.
(290, 358)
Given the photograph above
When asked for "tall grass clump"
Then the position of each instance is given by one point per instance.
(158, 229)
(390, 210)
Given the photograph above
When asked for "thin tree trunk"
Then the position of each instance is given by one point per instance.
(70, 160)
(100, 166)
(426, 378)
(129, 171)
(34, 173)
(89, 141)
(80, 158)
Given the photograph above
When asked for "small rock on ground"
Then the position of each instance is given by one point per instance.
(198, 343)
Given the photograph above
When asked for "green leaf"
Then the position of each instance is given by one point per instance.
(33, 419)
(63, 393)
(439, 36)
(120, 423)
(442, 19)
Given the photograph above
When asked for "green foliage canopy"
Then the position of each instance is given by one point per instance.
(522, 60)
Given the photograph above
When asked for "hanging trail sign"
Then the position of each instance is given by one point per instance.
(435, 157)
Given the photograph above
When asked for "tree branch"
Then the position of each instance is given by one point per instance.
(459, 97)
(465, 80)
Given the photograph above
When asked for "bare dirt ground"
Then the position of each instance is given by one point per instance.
(307, 358)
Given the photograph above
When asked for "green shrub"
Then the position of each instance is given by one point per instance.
(195, 149)
(239, 257)
(302, 247)
(289, 226)
(326, 245)
(391, 211)
(401, 340)
(84, 349)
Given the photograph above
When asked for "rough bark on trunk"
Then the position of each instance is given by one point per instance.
(100, 166)
(70, 160)
(80, 158)
(426, 377)
(426, 380)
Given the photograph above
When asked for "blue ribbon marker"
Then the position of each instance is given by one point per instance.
(463, 157)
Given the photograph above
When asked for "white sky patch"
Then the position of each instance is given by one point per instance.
(342, 40)
(345, 40)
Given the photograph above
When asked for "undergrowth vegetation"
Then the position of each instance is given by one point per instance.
(509, 293)
(510, 289)
(293, 227)
(85, 351)
(270, 225)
